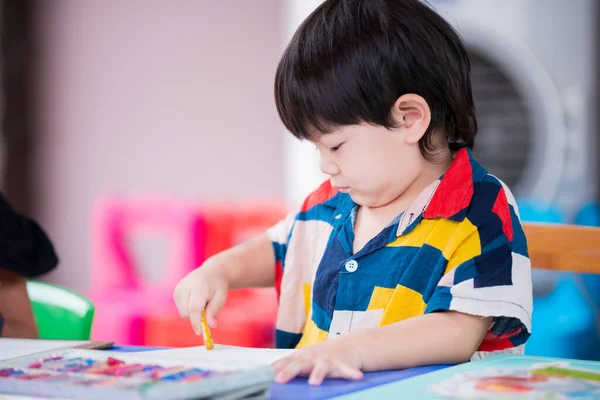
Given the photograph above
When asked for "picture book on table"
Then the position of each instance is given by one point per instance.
(556, 381)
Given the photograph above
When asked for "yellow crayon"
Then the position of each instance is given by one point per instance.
(208, 341)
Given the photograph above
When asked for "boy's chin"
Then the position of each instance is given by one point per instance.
(361, 199)
(364, 200)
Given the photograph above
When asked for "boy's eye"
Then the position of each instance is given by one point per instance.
(335, 148)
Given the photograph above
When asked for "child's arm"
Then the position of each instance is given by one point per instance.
(249, 264)
(246, 265)
(15, 307)
(438, 338)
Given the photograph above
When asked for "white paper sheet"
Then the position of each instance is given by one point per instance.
(11, 348)
(220, 357)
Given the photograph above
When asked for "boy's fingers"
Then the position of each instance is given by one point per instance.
(292, 370)
(319, 372)
(182, 302)
(333, 369)
(280, 364)
(196, 306)
(344, 371)
(213, 307)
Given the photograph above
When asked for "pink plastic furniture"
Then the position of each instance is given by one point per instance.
(116, 220)
(122, 296)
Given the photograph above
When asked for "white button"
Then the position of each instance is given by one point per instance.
(338, 216)
(351, 266)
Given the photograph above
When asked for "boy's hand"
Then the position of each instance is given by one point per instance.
(249, 264)
(334, 358)
(205, 288)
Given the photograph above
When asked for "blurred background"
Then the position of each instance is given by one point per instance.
(142, 135)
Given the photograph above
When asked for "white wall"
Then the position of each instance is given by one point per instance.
(301, 160)
(142, 96)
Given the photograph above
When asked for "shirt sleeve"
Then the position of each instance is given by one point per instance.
(25, 248)
(281, 232)
(489, 274)
(279, 235)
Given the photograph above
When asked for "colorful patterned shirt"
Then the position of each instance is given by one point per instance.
(459, 246)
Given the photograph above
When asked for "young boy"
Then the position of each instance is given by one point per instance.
(411, 253)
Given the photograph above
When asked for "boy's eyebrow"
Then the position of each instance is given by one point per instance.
(318, 138)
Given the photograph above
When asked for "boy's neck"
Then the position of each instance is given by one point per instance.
(428, 175)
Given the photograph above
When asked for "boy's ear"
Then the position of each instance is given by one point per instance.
(412, 114)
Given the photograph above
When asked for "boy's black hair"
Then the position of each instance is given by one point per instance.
(350, 60)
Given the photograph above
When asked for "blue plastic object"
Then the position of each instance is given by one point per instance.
(589, 215)
(539, 211)
(564, 317)
(564, 323)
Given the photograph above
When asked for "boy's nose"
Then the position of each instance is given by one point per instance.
(328, 167)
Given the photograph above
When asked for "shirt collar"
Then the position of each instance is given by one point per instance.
(448, 197)
(453, 195)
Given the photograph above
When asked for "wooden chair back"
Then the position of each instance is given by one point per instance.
(561, 247)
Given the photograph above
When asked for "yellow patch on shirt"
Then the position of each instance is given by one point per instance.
(312, 335)
(404, 303)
